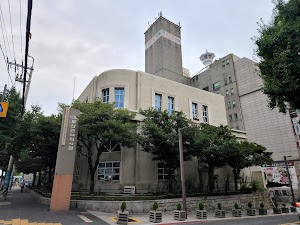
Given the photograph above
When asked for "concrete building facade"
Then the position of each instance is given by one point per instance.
(133, 166)
(238, 80)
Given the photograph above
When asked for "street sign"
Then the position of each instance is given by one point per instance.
(3, 109)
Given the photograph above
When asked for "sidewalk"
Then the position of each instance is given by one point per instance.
(168, 218)
(22, 206)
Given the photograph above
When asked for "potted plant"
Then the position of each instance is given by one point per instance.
(122, 214)
(237, 211)
(200, 212)
(293, 207)
(262, 210)
(179, 214)
(219, 212)
(250, 210)
(284, 209)
(276, 210)
(154, 215)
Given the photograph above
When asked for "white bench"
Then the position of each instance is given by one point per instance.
(129, 189)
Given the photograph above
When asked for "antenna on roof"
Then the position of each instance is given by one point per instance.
(149, 23)
(160, 13)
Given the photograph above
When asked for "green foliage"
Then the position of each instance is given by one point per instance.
(249, 205)
(219, 206)
(123, 206)
(155, 206)
(103, 127)
(262, 205)
(236, 206)
(210, 147)
(178, 206)
(160, 131)
(201, 206)
(278, 48)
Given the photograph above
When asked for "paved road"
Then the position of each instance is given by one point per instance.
(268, 220)
(22, 206)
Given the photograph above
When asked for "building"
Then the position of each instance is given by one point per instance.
(135, 90)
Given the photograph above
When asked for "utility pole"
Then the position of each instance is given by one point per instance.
(11, 159)
(3, 94)
(182, 170)
(289, 176)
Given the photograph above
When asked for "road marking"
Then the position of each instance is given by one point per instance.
(24, 222)
(85, 219)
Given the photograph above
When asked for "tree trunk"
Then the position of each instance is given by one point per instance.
(49, 176)
(34, 178)
(211, 179)
(40, 178)
(92, 181)
(170, 183)
(236, 174)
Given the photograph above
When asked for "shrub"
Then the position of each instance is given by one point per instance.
(201, 206)
(178, 206)
(249, 205)
(155, 206)
(236, 206)
(262, 205)
(123, 206)
(219, 206)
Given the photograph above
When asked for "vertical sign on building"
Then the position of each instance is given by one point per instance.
(63, 177)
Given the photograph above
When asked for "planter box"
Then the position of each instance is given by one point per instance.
(277, 210)
(236, 212)
(293, 209)
(122, 217)
(250, 212)
(262, 211)
(285, 210)
(220, 213)
(155, 216)
(201, 214)
(179, 215)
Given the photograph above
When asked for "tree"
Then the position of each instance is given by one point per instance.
(210, 147)
(279, 50)
(160, 131)
(240, 155)
(100, 123)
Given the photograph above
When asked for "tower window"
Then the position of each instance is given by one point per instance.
(204, 113)
(119, 97)
(216, 86)
(195, 111)
(105, 95)
(170, 105)
(158, 101)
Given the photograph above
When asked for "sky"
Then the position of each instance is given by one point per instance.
(73, 40)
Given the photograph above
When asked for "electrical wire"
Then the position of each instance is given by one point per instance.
(4, 41)
(2, 21)
(12, 36)
(6, 64)
(21, 29)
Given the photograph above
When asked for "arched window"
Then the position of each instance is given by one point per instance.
(111, 146)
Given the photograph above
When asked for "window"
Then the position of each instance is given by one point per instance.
(108, 171)
(205, 113)
(230, 117)
(195, 111)
(235, 116)
(158, 102)
(77, 171)
(206, 88)
(237, 127)
(223, 63)
(228, 105)
(227, 61)
(225, 81)
(162, 172)
(87, 100)
(233, 104)
(111, 146)
(105, 95)
(170, 105)
(227, 93)
(230, 80)
(216, 86)
(119, 97)
(231, 91)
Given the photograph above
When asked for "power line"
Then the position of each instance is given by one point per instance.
(2, 21)
(6, 64)
(21, 29)
(12, 36)
(3, 36)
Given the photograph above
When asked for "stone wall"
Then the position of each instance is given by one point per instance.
(167, 205)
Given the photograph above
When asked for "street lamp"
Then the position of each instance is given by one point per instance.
(289, 176)
(182, 169)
